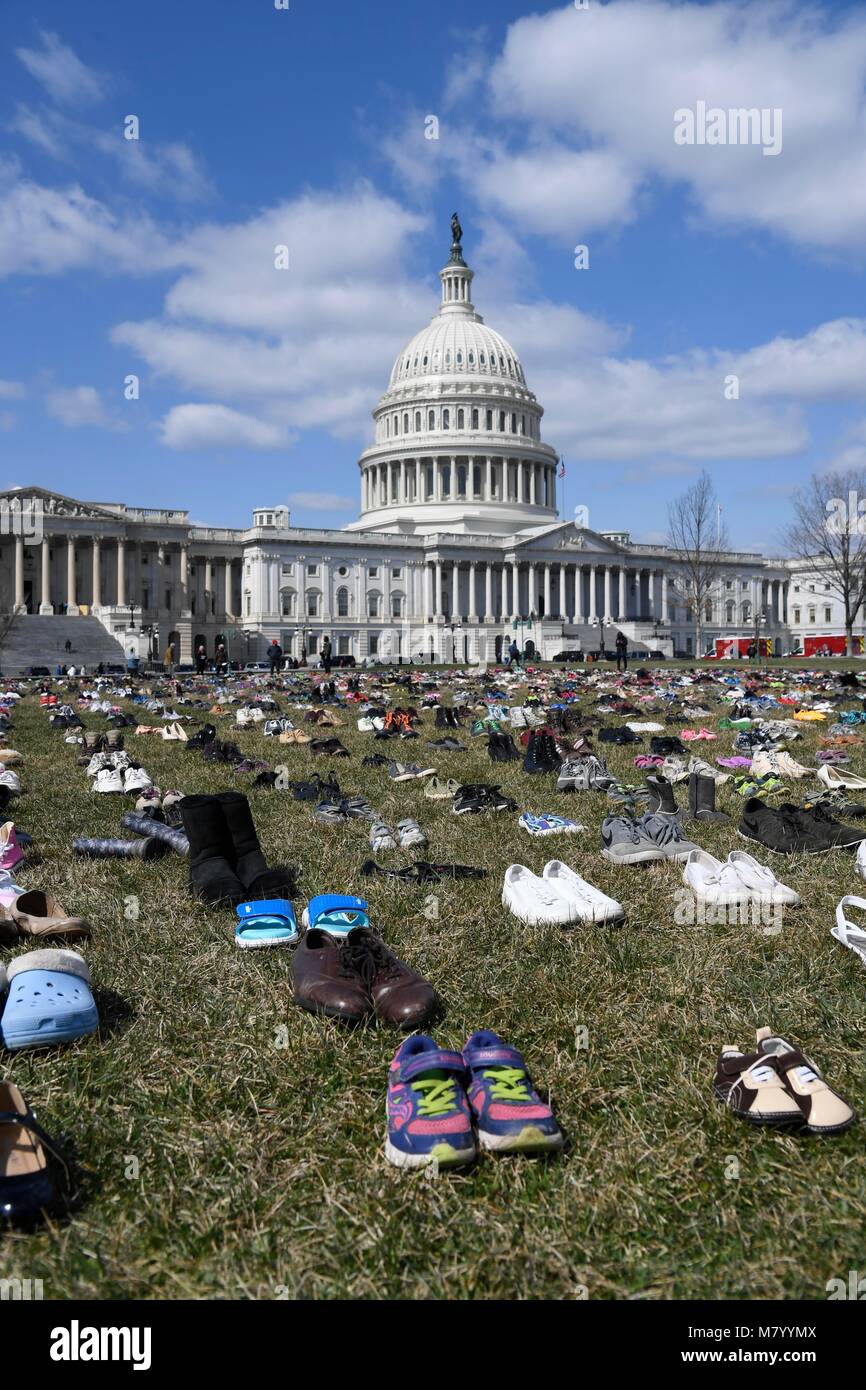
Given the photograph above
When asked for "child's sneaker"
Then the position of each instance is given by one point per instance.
(509, 1115)
(428, 1114)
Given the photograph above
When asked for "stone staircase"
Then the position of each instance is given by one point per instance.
(39, 641)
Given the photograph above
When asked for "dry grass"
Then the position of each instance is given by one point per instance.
(234, 1143)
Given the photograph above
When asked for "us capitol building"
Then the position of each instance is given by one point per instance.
(458, 547)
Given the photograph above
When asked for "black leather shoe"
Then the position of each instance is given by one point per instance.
(27, 1180)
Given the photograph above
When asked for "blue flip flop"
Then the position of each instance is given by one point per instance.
(49, 1000)
(336, 913)
(270, 922)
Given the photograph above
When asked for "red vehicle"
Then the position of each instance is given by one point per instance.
(834, 645)
(737, 648)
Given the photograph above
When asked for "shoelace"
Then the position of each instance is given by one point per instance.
(630, 826)
(507, 1083)
(436, 1095)
(363, 954)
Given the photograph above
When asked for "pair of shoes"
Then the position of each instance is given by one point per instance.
(274, 727)
(328, 747)
(557, 897)
(422, 872)
(49, 1000)
(501, 749)
(650, 838)
(542, 754)
(789, 829)
(702, 798)
(740, 879)
(357, 976)
(317, 789)
(449, 745)
(409, 834)
(151, 826)
(477, 796)
(434, 1096)
(779, 1085)
(405, 772)
(263, 925)
(226, 863)
(130, 779)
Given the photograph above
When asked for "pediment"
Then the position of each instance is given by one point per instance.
(56, 504)
(567, 536)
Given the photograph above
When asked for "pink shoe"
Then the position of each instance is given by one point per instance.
(11, 852)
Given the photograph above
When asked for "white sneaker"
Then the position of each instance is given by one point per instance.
(119, 760)
(365, 725)
(10, 779)
(107, 780)
(711, 881)
(533, 901)
(97, 763)
(590, 904)
(845, 931)
(135, 779)
(761, 881)
(517, 717)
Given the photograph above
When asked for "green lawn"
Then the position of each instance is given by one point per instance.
(233, 1144)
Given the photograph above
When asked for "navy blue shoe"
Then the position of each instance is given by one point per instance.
(27, 1184)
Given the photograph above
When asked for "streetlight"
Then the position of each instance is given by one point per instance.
(132, 607)
(600, 623)
(455, 628)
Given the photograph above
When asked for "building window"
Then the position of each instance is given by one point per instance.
(446, 419)
(514, 424)
(342, 571)
(312, 604)
(502, 421)
(373, 643)
(342, 603)
(828, 614)
(373, 572)
(287, 568)
(796, 615)
(461, 420)
(372, 605)
(811, 615)
(343, 646)
(729, 612)
(396, 572)
(406, 424)
(489, 425)
(418, 421)
(475, 419)
(476, 480)
(396, 605)
(431, 420)
(288, 599)
(312, 571)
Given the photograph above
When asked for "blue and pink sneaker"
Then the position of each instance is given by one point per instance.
(510, 1116)
(429, 1120)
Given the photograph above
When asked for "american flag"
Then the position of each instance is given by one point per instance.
(562, 468)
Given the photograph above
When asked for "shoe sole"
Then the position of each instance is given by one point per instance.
(827, 849)
(772, 1121)
(642, 856)
(530, 1140)
(442, 1156)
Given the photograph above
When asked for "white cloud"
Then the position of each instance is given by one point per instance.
(154, 168)
(48, 231)
(202, 426)
(39, 127)
(322, 502)
(60, 71)
(80, 406)
(12, 390)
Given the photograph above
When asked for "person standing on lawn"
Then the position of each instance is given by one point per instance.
(168, 659)
(275, 656)
(326, 656)
(621, 651)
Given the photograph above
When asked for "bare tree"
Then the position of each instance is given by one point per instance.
(829, 534)
(698, 538)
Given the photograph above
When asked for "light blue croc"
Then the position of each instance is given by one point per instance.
(49, 1000)
(336, 913)
(270, 922)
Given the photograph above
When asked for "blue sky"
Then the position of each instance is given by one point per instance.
(306, 127)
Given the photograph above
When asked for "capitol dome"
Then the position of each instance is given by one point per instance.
(458, 443)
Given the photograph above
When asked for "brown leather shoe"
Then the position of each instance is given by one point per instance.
(327, 980)
(401, 997)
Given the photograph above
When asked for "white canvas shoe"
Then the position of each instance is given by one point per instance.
(108, 780)
(533, 901)
(761, 881)
(590, 904)
(711, 881)
(861, 859)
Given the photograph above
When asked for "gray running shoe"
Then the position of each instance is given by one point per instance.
(667, 833)
(625, 841)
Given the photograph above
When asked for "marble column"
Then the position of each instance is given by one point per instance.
(208, 584)
(533, 491)
(608, 599)
(473, 591)
(71, 599)
(515, 590)
(183, 603)
(437, 611)
(227, 583)
(121, 572)
(665, 613)
(547, 591)
(623, 595)
(96, 576)
(19, 573)
(437, 491)
(45, 604)
(455, 591)
(593, 610)
(488, 593)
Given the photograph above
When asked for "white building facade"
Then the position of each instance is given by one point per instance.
(458, 548)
